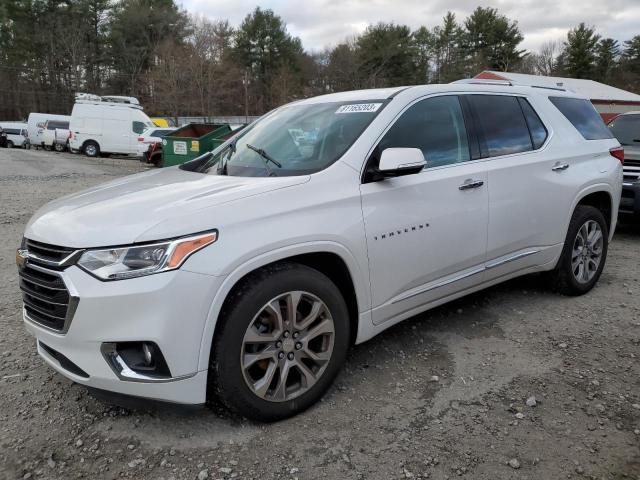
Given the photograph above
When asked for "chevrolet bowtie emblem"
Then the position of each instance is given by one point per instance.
(21, 257)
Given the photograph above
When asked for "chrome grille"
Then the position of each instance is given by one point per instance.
(47, 254)
(45, 296)
(631, 162)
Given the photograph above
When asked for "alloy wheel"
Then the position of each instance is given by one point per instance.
(287, 346)
(587, 251)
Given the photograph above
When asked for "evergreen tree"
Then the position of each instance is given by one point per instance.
(492, 40)
(448, 55)
(580, 52)
(385, 55)
(607, 53)
(264, 48)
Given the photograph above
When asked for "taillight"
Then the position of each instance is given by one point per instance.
(617, 152)
(141, 139)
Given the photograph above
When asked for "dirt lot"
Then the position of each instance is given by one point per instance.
(443, 395)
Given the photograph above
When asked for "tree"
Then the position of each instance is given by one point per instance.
(545, 62)
(607, 54)
(341, 68)
(580, 52)
(423, 48)
(631, 55)
(448, 54)
(492, 40)
(138, 27)
(264, 47)
(385, 55)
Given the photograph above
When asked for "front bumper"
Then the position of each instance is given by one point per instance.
(169, 308)
(630, 200)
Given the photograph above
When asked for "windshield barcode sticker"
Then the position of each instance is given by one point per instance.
(359, 108)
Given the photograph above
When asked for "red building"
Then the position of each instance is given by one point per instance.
(609, 101)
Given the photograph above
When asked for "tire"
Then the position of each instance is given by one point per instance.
(9, 144)
(568, 279)
(59, 147)
(91, 149)
(229, 376)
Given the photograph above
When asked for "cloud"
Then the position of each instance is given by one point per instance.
(323, 23)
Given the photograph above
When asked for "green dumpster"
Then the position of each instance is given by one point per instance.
(192, 140)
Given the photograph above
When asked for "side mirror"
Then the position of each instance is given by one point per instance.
(395, 162)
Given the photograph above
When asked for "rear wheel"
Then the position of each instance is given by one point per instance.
(91, 149)
(59, 147)
(584, 253)
(9, 144)
(283, 337)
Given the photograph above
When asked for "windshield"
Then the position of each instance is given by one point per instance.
(293, 140)
(626, 128)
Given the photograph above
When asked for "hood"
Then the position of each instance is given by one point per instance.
(120, 211)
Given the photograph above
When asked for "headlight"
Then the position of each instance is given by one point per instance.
(139, 260)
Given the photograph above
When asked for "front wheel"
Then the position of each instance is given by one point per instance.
(283, 336)
(9, 144)
(584, 252)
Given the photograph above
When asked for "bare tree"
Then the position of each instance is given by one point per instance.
(545, 61)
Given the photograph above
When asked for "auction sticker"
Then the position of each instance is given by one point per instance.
(359, 108)
(180, 148)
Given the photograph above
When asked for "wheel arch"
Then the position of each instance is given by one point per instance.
(330, 258)
(89, 140)
(600, 197)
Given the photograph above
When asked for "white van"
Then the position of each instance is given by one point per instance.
(16, 133)
(36, 123)
(106, 125)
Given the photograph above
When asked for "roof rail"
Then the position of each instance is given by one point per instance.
(560, 89)
(484, 81)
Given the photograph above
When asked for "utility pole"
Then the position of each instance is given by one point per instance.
(245, 83)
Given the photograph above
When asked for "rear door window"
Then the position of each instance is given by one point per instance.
(435, 126)
(583, 116)
(536, 127)
(501, 123)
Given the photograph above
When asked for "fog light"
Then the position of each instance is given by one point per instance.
(136, 361)
(146, 349)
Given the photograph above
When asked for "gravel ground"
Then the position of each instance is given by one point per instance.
(512, 382)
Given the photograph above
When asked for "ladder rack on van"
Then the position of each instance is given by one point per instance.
(114, 100)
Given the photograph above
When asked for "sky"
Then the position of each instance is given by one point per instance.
(324, 23)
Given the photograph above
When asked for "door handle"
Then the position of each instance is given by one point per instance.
(558, 167)
(470, 183)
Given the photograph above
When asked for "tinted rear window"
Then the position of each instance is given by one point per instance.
(502, 124)
(582, 115)
(626, 128)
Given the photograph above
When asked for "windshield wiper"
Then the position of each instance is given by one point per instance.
(267, 158)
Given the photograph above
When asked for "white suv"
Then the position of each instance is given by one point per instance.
(248, 272)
